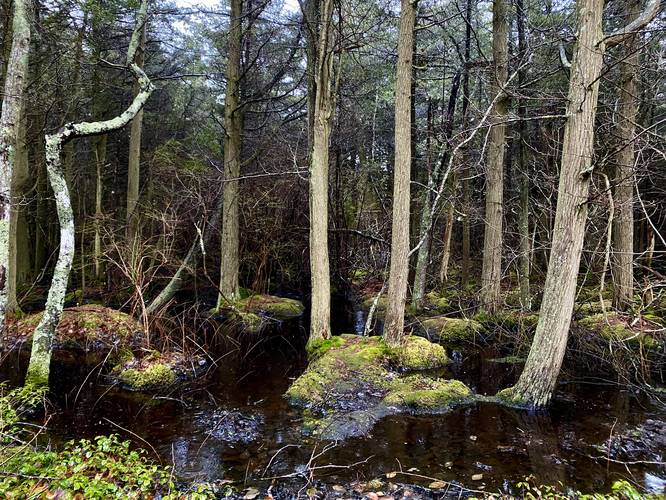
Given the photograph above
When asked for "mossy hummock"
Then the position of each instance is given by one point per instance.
(613, 326)
(352, 381)
(254, 311)
(450, 331)
(89, 327)
(155, 372)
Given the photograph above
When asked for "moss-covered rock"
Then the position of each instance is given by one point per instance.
(253, 312)
(352, 381)
(426, 394)
(280, 308)
(451, 330)
(155, 372)
(417, 353)
(89, 327)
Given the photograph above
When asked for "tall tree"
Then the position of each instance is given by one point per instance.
(466, 190)
(320, 313)
(524, 177)
(233, 123)
(42, 339)
(623, 230)
(12, 103)
(491, 272)
(134, 159)
(539, 378)
(399, 270)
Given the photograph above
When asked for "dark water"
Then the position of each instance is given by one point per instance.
(193, 428)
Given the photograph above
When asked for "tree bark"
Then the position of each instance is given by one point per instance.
(12, 103)
(523, 165)
(233, 123)
(539, 378)
(42, 339)
(623, 232)
(19, 246)
(465, 264)
(320, 312)
(398, 274)
(134, 159)
(491, 273)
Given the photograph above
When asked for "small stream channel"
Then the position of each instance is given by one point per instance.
(233, 424)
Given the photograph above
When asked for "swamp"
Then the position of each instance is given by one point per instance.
(320, 249)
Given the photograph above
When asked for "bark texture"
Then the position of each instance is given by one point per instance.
(42, 344)
(12, 103)
(539, 378)
(320, 313)
(134, 158)
(623, 231)
(233, 122)
(524, 250)
(491, 273)
(399, 270)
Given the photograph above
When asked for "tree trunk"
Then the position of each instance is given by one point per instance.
(524, 176)
(19, 246)
(233, 122)
(397, 288)
(320, 313)
(40, 356)
(134, 160)
(491, 273)
(539, 378)
(623, 231)
(12, 103)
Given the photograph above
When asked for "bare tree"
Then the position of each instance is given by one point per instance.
(42, 340)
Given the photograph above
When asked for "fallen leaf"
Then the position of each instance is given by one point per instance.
(339, 489)
(437, 485)
(251, 494)
(477, 477)
(473, 438)
(391, 475)
(372, 496)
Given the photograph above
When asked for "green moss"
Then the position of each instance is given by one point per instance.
(594, 307)
(436, 301)
(154, 376)
(85, 325)
(417, 353)
(345, 361)
(421, 393)
(320, 347)
(452, 330)
(612, 326)
(359, 274)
